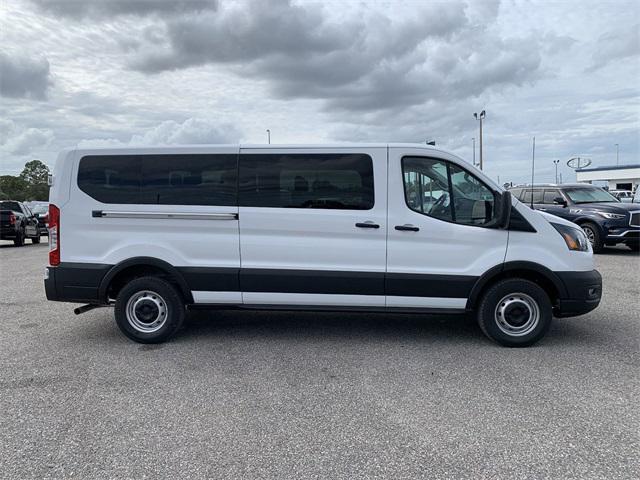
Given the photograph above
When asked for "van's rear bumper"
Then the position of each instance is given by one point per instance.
(78, 283)
(583, 293)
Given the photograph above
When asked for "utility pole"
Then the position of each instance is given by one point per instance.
(556, 162)
(474, 150)
(617, 154)
(269, 136)
(533, 168)
(480, 117)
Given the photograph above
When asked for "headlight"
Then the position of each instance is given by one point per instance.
(611, 216)
(573, 237)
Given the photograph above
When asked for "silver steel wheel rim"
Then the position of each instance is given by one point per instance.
(517, 314)
(146, 311)
(590, 235)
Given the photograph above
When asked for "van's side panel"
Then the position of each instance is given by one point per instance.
(438, 265)
(199, 247)
(315, 256)
(62, 171)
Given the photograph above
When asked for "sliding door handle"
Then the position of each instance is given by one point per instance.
(407, 228)
(367, 225)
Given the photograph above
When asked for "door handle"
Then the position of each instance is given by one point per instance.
(407, 228)
(367, 225)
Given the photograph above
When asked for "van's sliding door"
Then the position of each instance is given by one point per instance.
(313, 226)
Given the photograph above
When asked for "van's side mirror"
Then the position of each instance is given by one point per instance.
(503, 211)
(560, 201)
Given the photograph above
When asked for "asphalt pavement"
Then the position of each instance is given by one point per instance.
(307, 395)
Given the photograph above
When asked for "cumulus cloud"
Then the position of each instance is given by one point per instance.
(111, 8)
(22, 141)
(615, 45)
(361, 62)
(244, 32)
(24, 77)
(191, 131)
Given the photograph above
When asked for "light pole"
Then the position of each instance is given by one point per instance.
(269, 136)
(556, 162)
(617, 154)
(480, 117)
(473, 139)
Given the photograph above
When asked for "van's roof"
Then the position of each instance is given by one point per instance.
(255, 146)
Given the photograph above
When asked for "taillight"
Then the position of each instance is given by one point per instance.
(12, 219)
(54, 235)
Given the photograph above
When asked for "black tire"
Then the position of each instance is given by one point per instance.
(139, 323)
(36, 239)
(593, 234)
(508, 310)
(19, 240)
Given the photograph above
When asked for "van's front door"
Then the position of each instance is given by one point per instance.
(313, 226)
(437, 244)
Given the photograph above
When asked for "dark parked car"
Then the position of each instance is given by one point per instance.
(18, 223)
(603, 218)
(41, 211)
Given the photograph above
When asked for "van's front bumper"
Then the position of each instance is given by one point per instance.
(583, 293)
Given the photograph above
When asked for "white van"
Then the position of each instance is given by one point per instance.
(395, 228)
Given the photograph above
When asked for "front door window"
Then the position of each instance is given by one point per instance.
(446, 191)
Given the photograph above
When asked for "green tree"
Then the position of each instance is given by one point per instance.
(36, 174)
(13, 188)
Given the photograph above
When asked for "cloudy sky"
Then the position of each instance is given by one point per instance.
(139, 72)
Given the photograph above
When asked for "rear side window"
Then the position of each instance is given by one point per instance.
(326, 181)
(516, 192)
(537, 196)
(160, 179)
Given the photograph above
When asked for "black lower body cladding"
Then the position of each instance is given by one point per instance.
(82, 282)
(75, 282)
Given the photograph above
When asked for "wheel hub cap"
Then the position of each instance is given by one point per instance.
(146, 311)
(517, 314)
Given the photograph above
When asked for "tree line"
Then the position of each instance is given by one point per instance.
(31, 184)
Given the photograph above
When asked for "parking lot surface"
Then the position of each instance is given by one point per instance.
(308, 395)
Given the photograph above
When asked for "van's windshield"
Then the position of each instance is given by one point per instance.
(589, 195)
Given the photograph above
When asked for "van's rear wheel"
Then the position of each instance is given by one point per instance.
(515, 313)
(149, 310)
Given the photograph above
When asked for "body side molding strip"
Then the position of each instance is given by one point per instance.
(176, 215)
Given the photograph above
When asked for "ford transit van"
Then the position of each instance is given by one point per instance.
(155, 232)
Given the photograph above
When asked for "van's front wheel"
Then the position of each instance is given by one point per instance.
(149, 310)
(515, 313)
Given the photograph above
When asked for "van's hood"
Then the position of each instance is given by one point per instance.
(553, 219)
